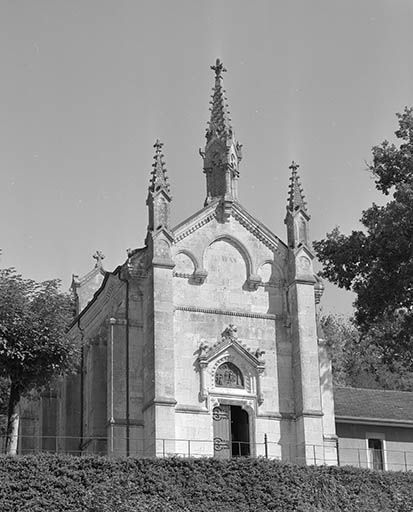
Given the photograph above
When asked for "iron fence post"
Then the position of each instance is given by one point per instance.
(266, 446)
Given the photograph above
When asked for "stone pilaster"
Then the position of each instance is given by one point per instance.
(306, 376)
(302, 314)
(159, 357)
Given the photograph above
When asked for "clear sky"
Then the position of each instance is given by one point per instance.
(88, 85)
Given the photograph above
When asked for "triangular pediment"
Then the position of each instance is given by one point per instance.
(211, 213)
(209, 354)
(195, 221)
(303, 249)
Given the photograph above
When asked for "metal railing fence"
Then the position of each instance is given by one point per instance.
(397, 460)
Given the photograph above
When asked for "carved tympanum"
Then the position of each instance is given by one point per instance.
(229, 376)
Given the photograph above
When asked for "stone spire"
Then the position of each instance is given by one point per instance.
(222, 153)
(159, 193)
(296, 195)
(159, 178)
(220, 123)
(297, 219)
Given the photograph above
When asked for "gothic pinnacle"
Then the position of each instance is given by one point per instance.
(222, 153)
(296, 195)
(220, 122)
(159, 178)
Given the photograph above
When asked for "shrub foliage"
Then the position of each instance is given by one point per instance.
(97, 484)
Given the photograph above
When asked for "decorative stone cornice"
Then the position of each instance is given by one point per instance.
(253, 281)
(228, 312)
(160, 401)
(194, 226)
(190, 409)
(182, 275)
(124, 421)
(257, 229)
(274, 283)
(199, 276)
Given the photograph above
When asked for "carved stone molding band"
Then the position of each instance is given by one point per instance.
(213, 311)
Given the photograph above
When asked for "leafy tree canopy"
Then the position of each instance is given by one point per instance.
(377, 262)
(361, 360)
(33, 321)
(34, 346)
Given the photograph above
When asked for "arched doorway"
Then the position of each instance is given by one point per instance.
(231, 432)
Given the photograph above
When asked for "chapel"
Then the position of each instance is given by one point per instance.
(205, 341)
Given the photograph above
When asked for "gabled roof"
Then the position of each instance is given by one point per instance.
(373, 405)
(95, 297)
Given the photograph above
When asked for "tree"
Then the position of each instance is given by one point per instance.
(359, 360)
(377, 262)
(34, 346)
(4, 399)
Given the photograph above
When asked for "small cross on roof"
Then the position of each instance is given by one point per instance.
(98, 256)
(218, 68)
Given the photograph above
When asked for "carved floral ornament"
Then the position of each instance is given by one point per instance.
(230, 370)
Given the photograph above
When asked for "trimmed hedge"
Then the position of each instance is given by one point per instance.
(97, 484)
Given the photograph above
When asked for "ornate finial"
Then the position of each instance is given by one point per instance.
(231, 332)
(296, 195)
(159, 178)
(98, 256)
(219, 69)
(203, 348)
(294, 166)
(259, 353)
(158, 145)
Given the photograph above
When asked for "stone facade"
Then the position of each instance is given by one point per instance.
(205, 341)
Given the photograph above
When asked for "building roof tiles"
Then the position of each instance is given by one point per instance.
(373, 404)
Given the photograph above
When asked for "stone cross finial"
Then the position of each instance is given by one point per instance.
(98, 256)
(219, 69)
(158, 145)
(294, 166)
